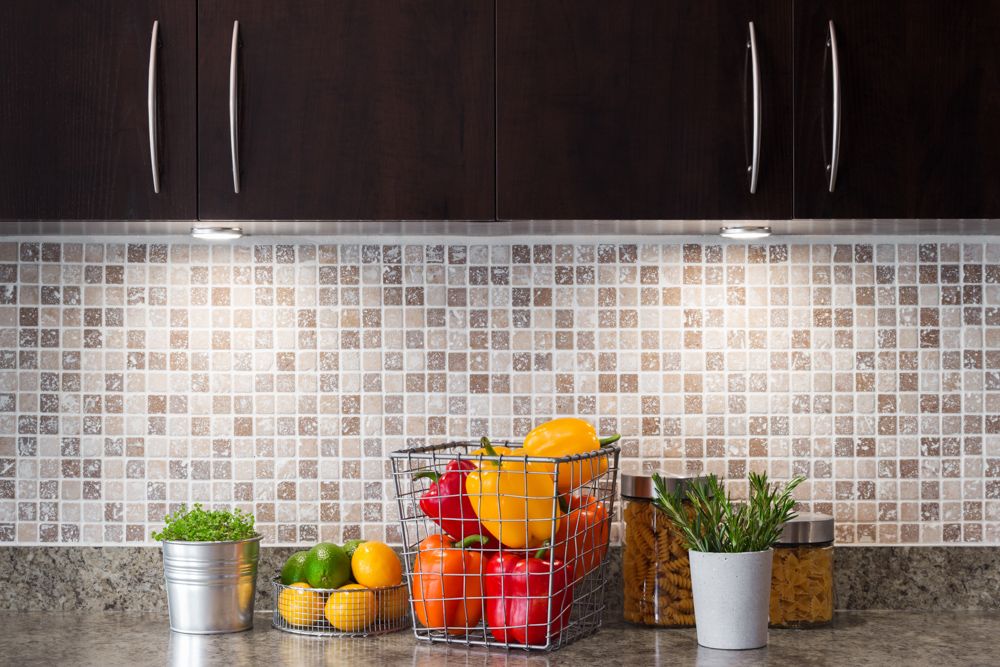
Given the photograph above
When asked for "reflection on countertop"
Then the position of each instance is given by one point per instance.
(109, 639)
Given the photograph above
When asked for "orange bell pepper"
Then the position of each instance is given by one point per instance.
(582, 536)
(447, 588)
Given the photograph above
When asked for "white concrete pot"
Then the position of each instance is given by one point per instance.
(731, 597)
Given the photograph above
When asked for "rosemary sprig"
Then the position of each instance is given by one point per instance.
(717, 524)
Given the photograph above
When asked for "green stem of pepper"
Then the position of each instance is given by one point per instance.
(470, 540)
(485, 443)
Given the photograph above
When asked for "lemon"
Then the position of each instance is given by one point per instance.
(351, 608)
(300, 605)
(393, 603)
(375, 565)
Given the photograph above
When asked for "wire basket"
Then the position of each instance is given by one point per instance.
(483, 605)
(328, 612)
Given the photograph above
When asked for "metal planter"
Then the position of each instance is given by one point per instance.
(211, 585)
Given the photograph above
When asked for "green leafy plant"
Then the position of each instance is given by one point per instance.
(716, 524)
(200, 525)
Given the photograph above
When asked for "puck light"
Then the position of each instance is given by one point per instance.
(216, 233)
(744, 233)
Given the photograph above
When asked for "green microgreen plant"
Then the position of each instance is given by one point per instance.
(717, 524)
(200, 525)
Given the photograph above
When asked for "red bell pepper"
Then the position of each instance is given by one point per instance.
(447, 504)
(519, 594)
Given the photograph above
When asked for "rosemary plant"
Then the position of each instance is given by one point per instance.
(719, 525)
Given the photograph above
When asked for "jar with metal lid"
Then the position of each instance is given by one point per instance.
(656, 571)
(802, 573)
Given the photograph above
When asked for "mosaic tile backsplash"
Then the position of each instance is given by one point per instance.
(276, 375)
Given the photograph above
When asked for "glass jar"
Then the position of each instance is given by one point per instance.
(655, 567)
(802, 573)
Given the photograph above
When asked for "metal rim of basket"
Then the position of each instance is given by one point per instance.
(321, 627)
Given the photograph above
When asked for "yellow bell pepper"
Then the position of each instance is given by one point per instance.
(515, 500)
(567, 436)
(495, 450)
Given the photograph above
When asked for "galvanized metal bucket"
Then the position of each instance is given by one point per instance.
(211, 585)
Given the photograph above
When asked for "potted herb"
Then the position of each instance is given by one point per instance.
(730, 552)
(210, 567)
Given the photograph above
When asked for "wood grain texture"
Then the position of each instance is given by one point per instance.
(920, 134)
(640, 109)
(350, 110)
(73, 123)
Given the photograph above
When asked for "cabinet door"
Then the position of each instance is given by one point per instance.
(919, 93)
(347, 110)
(74, 114)
(641, 109)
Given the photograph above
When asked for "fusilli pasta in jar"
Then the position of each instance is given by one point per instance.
(655, 567)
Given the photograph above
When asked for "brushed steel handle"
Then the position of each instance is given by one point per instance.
(831, 43)
(754, 167)
(152, 105)
(234, 108)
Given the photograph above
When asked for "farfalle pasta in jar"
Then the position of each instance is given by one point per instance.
(656, 572)
(802, 573)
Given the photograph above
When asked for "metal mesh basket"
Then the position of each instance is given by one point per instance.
(358, 612)
(576, 529)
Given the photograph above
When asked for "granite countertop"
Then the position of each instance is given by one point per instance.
(108, 639)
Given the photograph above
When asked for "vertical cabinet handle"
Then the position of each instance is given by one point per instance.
(754, 167)
(831, 44)
(234, 108)
(152, 105)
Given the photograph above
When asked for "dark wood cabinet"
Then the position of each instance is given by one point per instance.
(919, 86)
(74, 132)
(642, 109)
(348, 110)
(499, 109)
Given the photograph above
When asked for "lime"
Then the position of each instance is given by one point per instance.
(327, 566)
(295, 568)
(350, 546)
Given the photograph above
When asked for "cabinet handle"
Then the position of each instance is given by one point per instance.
(754, 167)
(152, 104)
(831, 43)
(234, 108)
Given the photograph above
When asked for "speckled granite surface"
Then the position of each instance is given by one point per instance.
(102, 578)
(131, 578)
(917, 578)
(109, 639)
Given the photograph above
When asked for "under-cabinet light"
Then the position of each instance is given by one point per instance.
(216, 233)
(744, 233)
